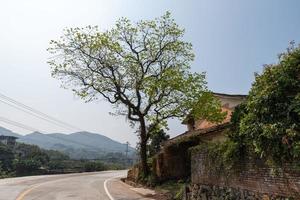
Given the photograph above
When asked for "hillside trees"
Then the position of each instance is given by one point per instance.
(6, 157)
(142, 69)
(29, 159)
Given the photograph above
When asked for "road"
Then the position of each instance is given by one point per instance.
(83, 186)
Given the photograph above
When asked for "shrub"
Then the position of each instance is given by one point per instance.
(92, 166)
(26, 166)
(6, 157)
(268, 124)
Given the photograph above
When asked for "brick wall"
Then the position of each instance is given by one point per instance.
(174, 160)
(253, 178)
(172, 164)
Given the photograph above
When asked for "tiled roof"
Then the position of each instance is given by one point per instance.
(230, 95)
(199, 132)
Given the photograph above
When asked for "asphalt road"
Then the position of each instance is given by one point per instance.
(83, 186)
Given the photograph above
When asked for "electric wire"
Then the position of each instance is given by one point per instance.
(19, 125)
(36, 112)
(35, 115)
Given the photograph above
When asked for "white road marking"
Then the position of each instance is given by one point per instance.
(105, 186)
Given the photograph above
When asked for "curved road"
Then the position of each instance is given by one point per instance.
(83, 186)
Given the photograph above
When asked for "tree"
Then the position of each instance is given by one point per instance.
(93, 166)
(141, 68)
(26, 166)
(269, 121)
(56, 155)
(6, 157)
(157, 137)
(32, 152)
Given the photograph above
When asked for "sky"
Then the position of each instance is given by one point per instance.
(232, 39)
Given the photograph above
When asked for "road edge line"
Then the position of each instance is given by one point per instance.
(105, 186)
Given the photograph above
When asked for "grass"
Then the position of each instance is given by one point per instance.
(174, 188)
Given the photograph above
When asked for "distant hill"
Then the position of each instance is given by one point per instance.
(80, 145)
(4, 131)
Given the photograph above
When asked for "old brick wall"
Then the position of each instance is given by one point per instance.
(212, 192)
(174, 160)
(172, 164)
(253, 180)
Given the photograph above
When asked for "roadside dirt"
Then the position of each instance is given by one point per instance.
(159, 195)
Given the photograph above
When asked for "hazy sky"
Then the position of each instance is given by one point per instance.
(232, 39)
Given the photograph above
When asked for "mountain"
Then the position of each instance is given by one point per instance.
(4, 131)
(79, 145)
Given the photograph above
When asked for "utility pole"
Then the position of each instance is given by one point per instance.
(127, 151)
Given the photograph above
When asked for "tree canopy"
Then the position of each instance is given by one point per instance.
(156, 141)
(142, 68)
(269, 122)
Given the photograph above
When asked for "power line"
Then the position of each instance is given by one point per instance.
(32, 114)
(127, 149)
(17, 124)
(37, 112)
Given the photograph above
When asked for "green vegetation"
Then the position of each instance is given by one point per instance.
(267, 125)
(78, 146)
(23, 159)
(156, 140)
(142, 68)
(221, 158)
(6, 157)
(94, 166)
(173, 189)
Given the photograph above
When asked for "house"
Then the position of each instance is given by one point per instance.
(8, 140)
(228, 103)
(209, 131)
(173, 162)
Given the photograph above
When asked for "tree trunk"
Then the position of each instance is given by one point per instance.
(143, 154)
(143, 150)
